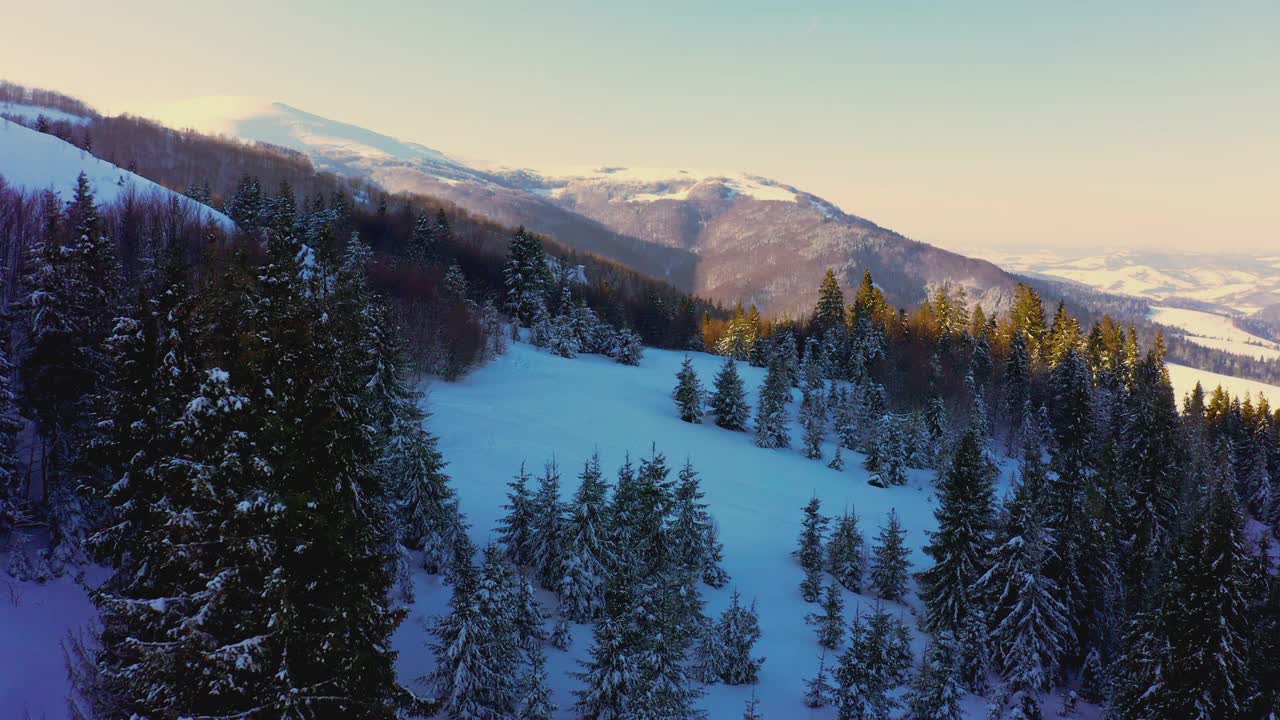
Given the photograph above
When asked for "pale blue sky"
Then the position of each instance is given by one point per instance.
(1155, 124)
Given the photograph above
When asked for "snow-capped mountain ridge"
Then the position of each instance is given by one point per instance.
(727, 235)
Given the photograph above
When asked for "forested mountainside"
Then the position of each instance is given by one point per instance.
(215, 417)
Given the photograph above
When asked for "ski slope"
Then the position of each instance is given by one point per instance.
(36, 161)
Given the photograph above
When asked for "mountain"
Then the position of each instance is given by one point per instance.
(726, 236)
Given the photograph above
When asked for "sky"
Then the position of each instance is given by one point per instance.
(973, 126)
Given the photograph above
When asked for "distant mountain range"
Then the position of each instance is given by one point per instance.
(727, 236)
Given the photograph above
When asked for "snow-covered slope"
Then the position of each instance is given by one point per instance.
(529, 406)
(30, 113)
(35, 161)
(1185, 378)
(1215, 331)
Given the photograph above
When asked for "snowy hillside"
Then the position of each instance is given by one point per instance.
(529, 406)
(1227, 284)
(35, 161)
(1184, 380)
(1215, 331)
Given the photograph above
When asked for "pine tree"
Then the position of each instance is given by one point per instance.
(526, 276)
(846, 553)
(426, 511)
(561, 635)
(862, 678)
(1208, 675)
(887, 458)
(587, 555)
(515, 530)
(1030, 629)
(609, 676)
(739, 629)
(959, 547)
(752, 710)
(830, 623)
(818, 691)
(813, 421)
(547, 529)
(688, 393)
(536, 703)
(729, 401)
(466, 674)
(810, 552)
(526, 615)
(771, 411)
(891, 565)
(936, 692)
(829, 312)
(691, 531)
(837, 460)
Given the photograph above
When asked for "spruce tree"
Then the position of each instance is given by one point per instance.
(813, 421)
(586, 551)
(846, 553)
(729, 401)
(837, 460)
(818, 690)
(691, 531)
(526, 276)
(891, 565)
(739, 629)
(547, 529)
(771, 411)
(959, 546)
(515, 529)
(809, 552)
(688, 393)
(829, 312)
(609, 675)
(536, 703)
(830, 624)
(936, 692)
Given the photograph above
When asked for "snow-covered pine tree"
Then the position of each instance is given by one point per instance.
(830, 624)
(959, 547)
(464, 670)
(813, 421)
(586, 551)
(548, 529)
(809, 552)
(861, 678)
(818, 690)
(561, 635)
(739, 629)
(837, 460)
(936, 692)
(1029, 627)
(846, 553)
(536, 703)
(12, 500)
(887, 459)
(688, 393)
(1208, 613)
(691, 531)
(426, 510)
(515, 529)
(609, 676)
(829, 312)
(771, 410)
(627, 347)
(526, 276)
(890, 566)
(526, 615)
(729, 401)
(752, 709)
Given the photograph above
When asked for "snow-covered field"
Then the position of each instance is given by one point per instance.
(529, 406)
(35, 161)
(1185, 378)
(1215, 331)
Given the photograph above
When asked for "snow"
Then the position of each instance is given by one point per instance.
(1185, 378)
(29, 113)
(35, 161)
(35, 620)
(1215, 331)
(529, 406)
(645, 185)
